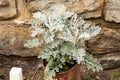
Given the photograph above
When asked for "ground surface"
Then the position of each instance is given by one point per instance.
(32, 69)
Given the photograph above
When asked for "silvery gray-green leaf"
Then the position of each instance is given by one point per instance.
(33, 43)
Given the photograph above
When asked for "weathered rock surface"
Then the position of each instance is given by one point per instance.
(86, 8)
(12, 39)
(8, 9)
(109, 61)
(24, 14)
(112, 10)
(108, 41)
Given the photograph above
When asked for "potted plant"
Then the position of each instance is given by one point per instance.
(62, 44)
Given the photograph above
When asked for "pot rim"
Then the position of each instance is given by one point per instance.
(64, 72)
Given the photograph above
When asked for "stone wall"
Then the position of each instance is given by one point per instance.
(15, 31)
(107, 9)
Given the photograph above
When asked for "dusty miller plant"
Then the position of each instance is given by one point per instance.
(63, 41)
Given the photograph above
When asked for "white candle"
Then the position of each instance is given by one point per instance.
(16, 73)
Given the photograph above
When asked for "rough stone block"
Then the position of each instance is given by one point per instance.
(13, 38)
(8, 9)
(85, 8)
(112, 11)
(108, 41)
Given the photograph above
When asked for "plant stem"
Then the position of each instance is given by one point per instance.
(57, 76)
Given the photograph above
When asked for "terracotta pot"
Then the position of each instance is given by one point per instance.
(71, 74)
